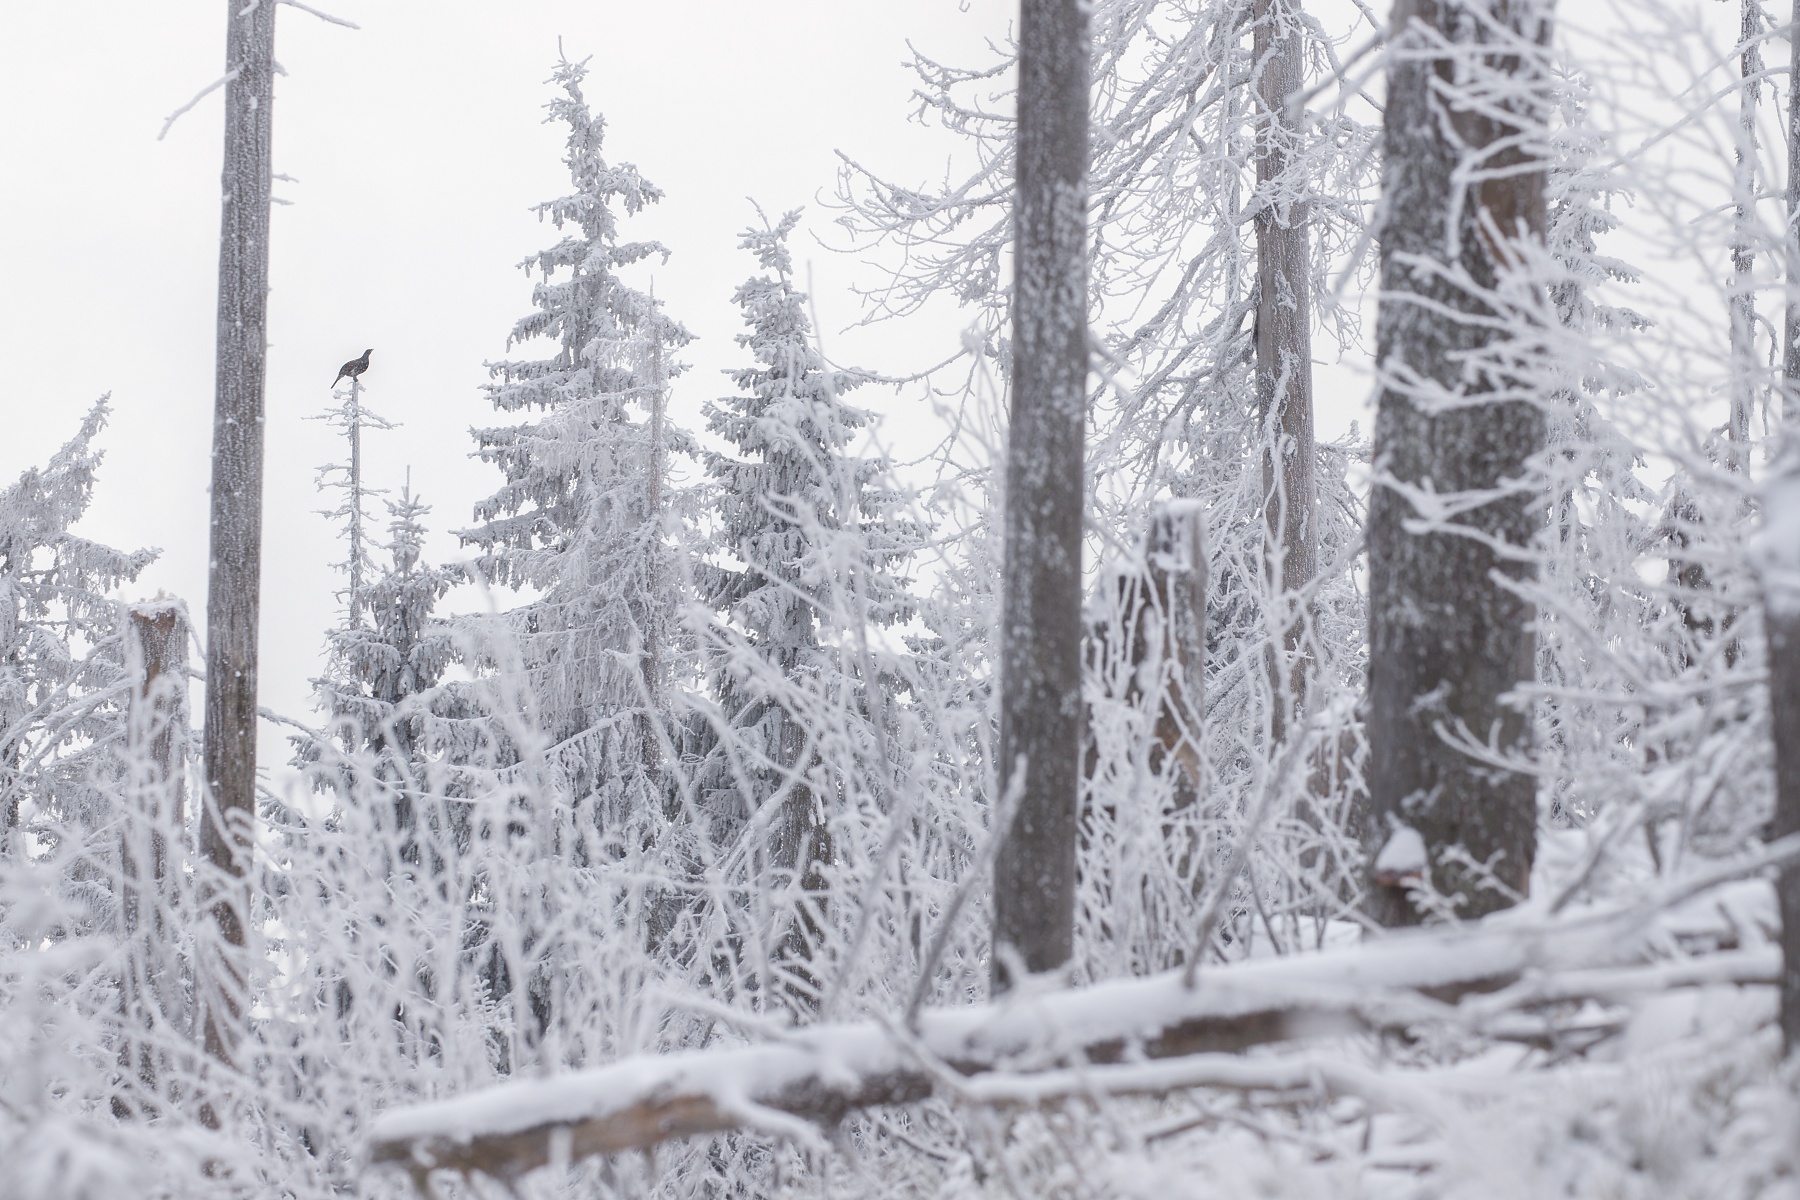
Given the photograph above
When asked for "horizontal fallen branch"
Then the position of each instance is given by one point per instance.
(1031, 1046)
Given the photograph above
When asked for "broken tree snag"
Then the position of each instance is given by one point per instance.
(234, 583)
(151, 997)
(156, 739)
(1453, 507)
(1041, 627)
(1284, 397)
(1148, 648)
(1486, 977)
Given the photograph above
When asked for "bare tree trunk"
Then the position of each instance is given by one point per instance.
(233, 600)
(1176, 550)
(802, 849)
(356, 512)
(651, 667)
(1783, 620)
(1790, 359)
(1040, 637)
(1284, 347)
(156, 736)
(1446, 637)
(1743, 249)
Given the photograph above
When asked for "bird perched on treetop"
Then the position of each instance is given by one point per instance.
(354, 367)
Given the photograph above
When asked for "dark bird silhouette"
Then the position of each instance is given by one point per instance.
(354, 367)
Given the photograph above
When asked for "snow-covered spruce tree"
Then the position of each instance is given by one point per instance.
(62, 657)
(575, 681)
(810, 560)
(385, 657)
(581, 518)
(81, 922)
(380, 689)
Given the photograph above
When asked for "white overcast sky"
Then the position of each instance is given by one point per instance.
(418, 147)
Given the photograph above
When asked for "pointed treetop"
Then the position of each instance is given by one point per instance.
(769, 243)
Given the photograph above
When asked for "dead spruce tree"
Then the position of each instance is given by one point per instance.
(1454, 506)
(1040, 624)
(234, 583)
(1783, 622)
(1284, 399)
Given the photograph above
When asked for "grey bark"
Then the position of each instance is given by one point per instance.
(356, 512)
(1447, 639)
(233, 599)
(1284, 345)
(1784, 722)
(1040, 638)
(1790, 359)
(1784, 625)
(802, 849)
(150, 997)
(1743, 249)
(651, 668)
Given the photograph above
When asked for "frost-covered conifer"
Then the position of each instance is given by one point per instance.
(65, 819)
(580, 519)
(61, 639)
(817, 557)
(380, 670)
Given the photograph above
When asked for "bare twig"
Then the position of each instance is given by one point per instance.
(202, 94)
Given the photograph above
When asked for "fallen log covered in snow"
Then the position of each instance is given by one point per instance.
(1106, 1039)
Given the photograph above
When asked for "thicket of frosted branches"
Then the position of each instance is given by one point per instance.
(727, 765)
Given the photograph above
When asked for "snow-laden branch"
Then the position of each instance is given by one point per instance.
(1036, 1045)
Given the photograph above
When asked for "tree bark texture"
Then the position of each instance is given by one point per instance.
(356, 496)
(802, 850)
(1783, 620)
(1744, 365)
(1462, 200)
(1783, 624)
(1790, 359)
(1041, 628)
(233, 598)
(150, 995)
(1284, 344)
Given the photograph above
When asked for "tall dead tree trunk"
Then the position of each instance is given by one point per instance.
(355, 493)
(234, 585)
(1783, 609)
(1743, 247)
(1040, 637)
(651, 666)
(1782, 618)
(1790, 359)
(1464, 199)
(1284, 345)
